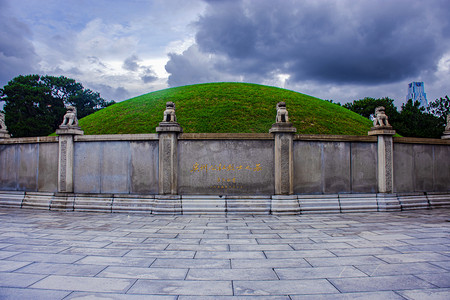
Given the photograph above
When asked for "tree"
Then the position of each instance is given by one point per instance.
(411, 121)
(415, 122)
(35, 104)
(440, 108)
(366, 107)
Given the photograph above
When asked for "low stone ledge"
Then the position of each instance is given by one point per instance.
(323, 203)
(117, 137)
(30, 140)
(413, 201)
(358, 202)
(225, 136)
(335, 138)
(11, 199)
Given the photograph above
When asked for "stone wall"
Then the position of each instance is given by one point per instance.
(224, 164)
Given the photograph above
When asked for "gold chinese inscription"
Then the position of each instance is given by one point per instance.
(227, 183)
(224, 167)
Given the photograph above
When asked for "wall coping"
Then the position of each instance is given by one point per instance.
(223, 136)
(116, 137)
(334, 138)
(409, 140)
(30, 140)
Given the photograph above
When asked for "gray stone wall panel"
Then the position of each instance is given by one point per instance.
(48, 167)
(144, 167)
(403, 168)
(307, 167)
(9, 167)
(423, 167)
(226, 167)
(336, 167)
(28, 167)
(364, 167)
(115, 167)
(87, 167)
(441, 168)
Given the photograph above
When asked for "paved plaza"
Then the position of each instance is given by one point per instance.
(73, 255)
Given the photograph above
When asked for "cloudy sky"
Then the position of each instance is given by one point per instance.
(331, 49)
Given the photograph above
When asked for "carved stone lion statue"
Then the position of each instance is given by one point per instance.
(70, 118)
(2, 122)
(381, 119)
(169, 113)
(282, 113)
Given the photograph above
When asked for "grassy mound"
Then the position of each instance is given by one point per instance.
(225, 107)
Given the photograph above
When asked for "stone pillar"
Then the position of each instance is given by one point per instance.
(67, 130)
(283, 132)
(385, 166)
(168, 155)
(3, 130)
(65, 162)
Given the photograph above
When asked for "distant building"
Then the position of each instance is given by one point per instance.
(416, 92)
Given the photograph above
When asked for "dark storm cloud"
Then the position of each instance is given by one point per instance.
(357, 42)
(17, 54)
(131, 63)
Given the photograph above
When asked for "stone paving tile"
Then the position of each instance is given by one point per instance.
(298, 254)
(364, 251)
(110, 296)
(432, 294)
(283, 287)
(191, 263)
(413, 257)
(400, 269)
(129, 246)
(314, 246)
(6, 254)
(18, 280)
(230, 254)
(144, 273)
(9, 266)
(233, 298)
(178, 287)
(95, 251)
(61, 269)
(161, 254)
(22, 294)
(380, 283)
(86, 284)
(120, 261)
(45, 257)
(441, 280)
(343, 261)
(36, 248)
(384, 295)
(269, 263)
(319, 272)
(264, 247)
(231, 274)
(203, 247)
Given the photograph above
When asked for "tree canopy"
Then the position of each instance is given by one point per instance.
(412, 120)
(35, 104)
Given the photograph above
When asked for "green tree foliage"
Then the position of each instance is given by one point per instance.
(440, 108)
(412, 120)
(415, 122)
(35, 104)
(366, 107)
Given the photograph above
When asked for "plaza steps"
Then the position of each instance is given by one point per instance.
(224, 205)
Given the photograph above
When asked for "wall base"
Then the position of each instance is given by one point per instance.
(223, 205)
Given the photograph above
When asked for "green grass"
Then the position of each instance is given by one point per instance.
(225, 107)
